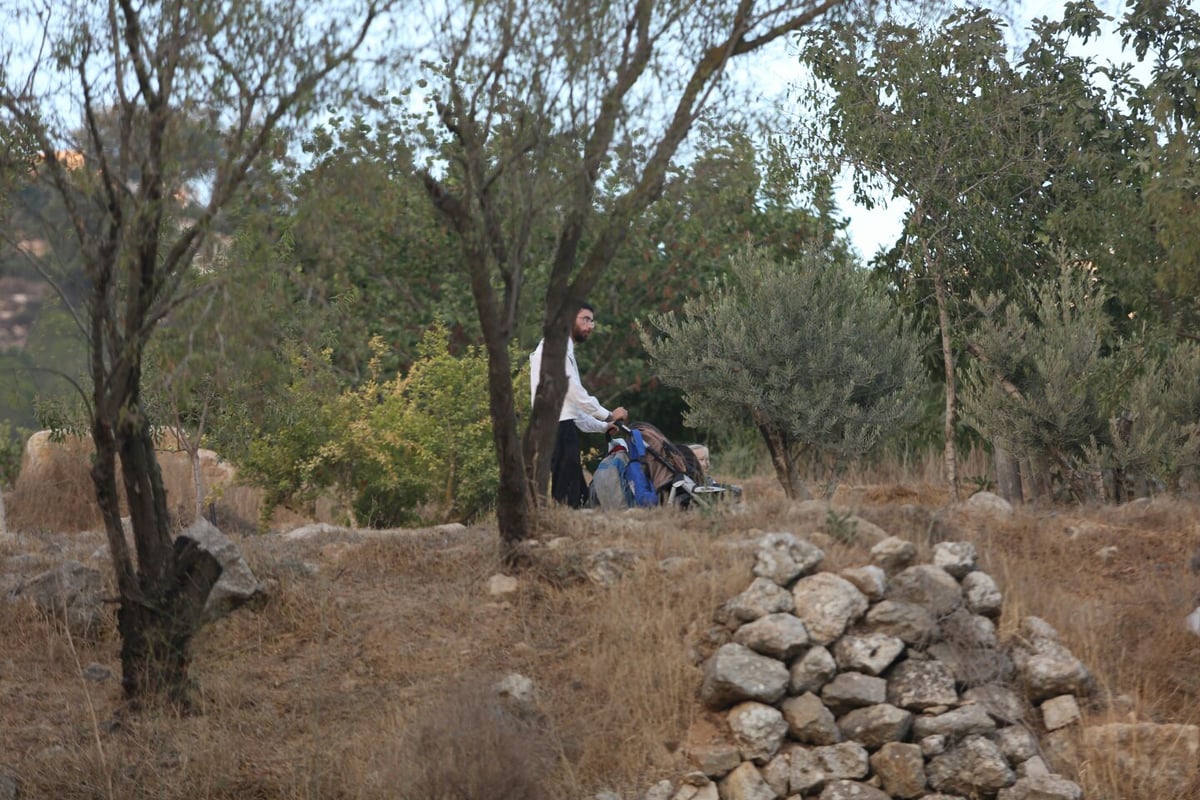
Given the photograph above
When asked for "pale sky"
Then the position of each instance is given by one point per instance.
(872, 229)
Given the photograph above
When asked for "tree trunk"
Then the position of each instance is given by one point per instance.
(512, 499)
(156, 635)
(786, 470)
(162, 602)
(543, 420)
(1008, 474)
(1039, 478)
(951, 421)
(197, 480)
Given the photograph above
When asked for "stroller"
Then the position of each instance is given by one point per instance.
(643, 468)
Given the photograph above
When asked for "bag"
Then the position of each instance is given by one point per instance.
(609, 487)
(636, 476)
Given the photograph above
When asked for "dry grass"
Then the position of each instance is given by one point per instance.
(368, 672)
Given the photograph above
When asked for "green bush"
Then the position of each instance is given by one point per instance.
(416, 448)
(290, 461)
(11, 444)
(428, 439)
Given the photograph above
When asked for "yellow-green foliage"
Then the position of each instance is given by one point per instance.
(414, 448)
(428, 438)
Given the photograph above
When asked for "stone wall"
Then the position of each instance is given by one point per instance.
(889, 680)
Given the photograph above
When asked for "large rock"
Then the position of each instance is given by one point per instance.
(1018, 743)
(869, 653)
(853, 690)
(49, 463)
(71, 593)
(901, 769)
(736, 673)
(758, 730)
(1059, 712)
(852, 790)
(781, 636)
(746, 783)
(827, 604)
(777, 773)
(762, 597)
(955, 723)
(1042, 787)
(875, 726)
(989, 504)
(918, 685)
(870, 580)
(928, 586)
(893, 554)
(782, 558)
(982, 594)
(1045, 666)
(810, 721)
(957, 558)
(909, 622)
(974, 767)
(812, 768)
(812, 671)
(237, 584)
(1004, 704)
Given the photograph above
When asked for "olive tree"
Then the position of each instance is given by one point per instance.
(813, 352)
(1099, 416)
(112, 94)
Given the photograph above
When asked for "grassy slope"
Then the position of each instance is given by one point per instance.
(374, 656)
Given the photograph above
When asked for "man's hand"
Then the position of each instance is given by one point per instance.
(620, 415)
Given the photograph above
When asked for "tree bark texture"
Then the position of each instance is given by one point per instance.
(156, 634)
(786, 470)
(950, 428)
(162, 601)
(1008, 474)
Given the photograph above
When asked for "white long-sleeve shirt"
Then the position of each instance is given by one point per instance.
(578, 405)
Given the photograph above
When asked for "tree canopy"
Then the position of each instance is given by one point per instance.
(811, 350)
(115, 98)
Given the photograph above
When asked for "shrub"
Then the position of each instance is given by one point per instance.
(428, 438)
(811, 352)
(290, 459)
(414, 448)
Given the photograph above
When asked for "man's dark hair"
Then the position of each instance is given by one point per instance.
(586, 306)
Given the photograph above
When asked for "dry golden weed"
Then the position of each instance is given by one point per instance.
(375, 656)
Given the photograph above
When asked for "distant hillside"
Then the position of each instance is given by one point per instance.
(20, 301)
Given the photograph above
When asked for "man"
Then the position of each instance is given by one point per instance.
(580, 412)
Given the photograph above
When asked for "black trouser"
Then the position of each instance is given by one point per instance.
(566, 472)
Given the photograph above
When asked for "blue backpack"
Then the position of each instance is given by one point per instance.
(635, 473)
(621, 480)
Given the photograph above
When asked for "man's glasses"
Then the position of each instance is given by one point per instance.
(586, 320)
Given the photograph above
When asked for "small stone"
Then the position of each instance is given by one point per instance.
(501, 584)
(1059, 712)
